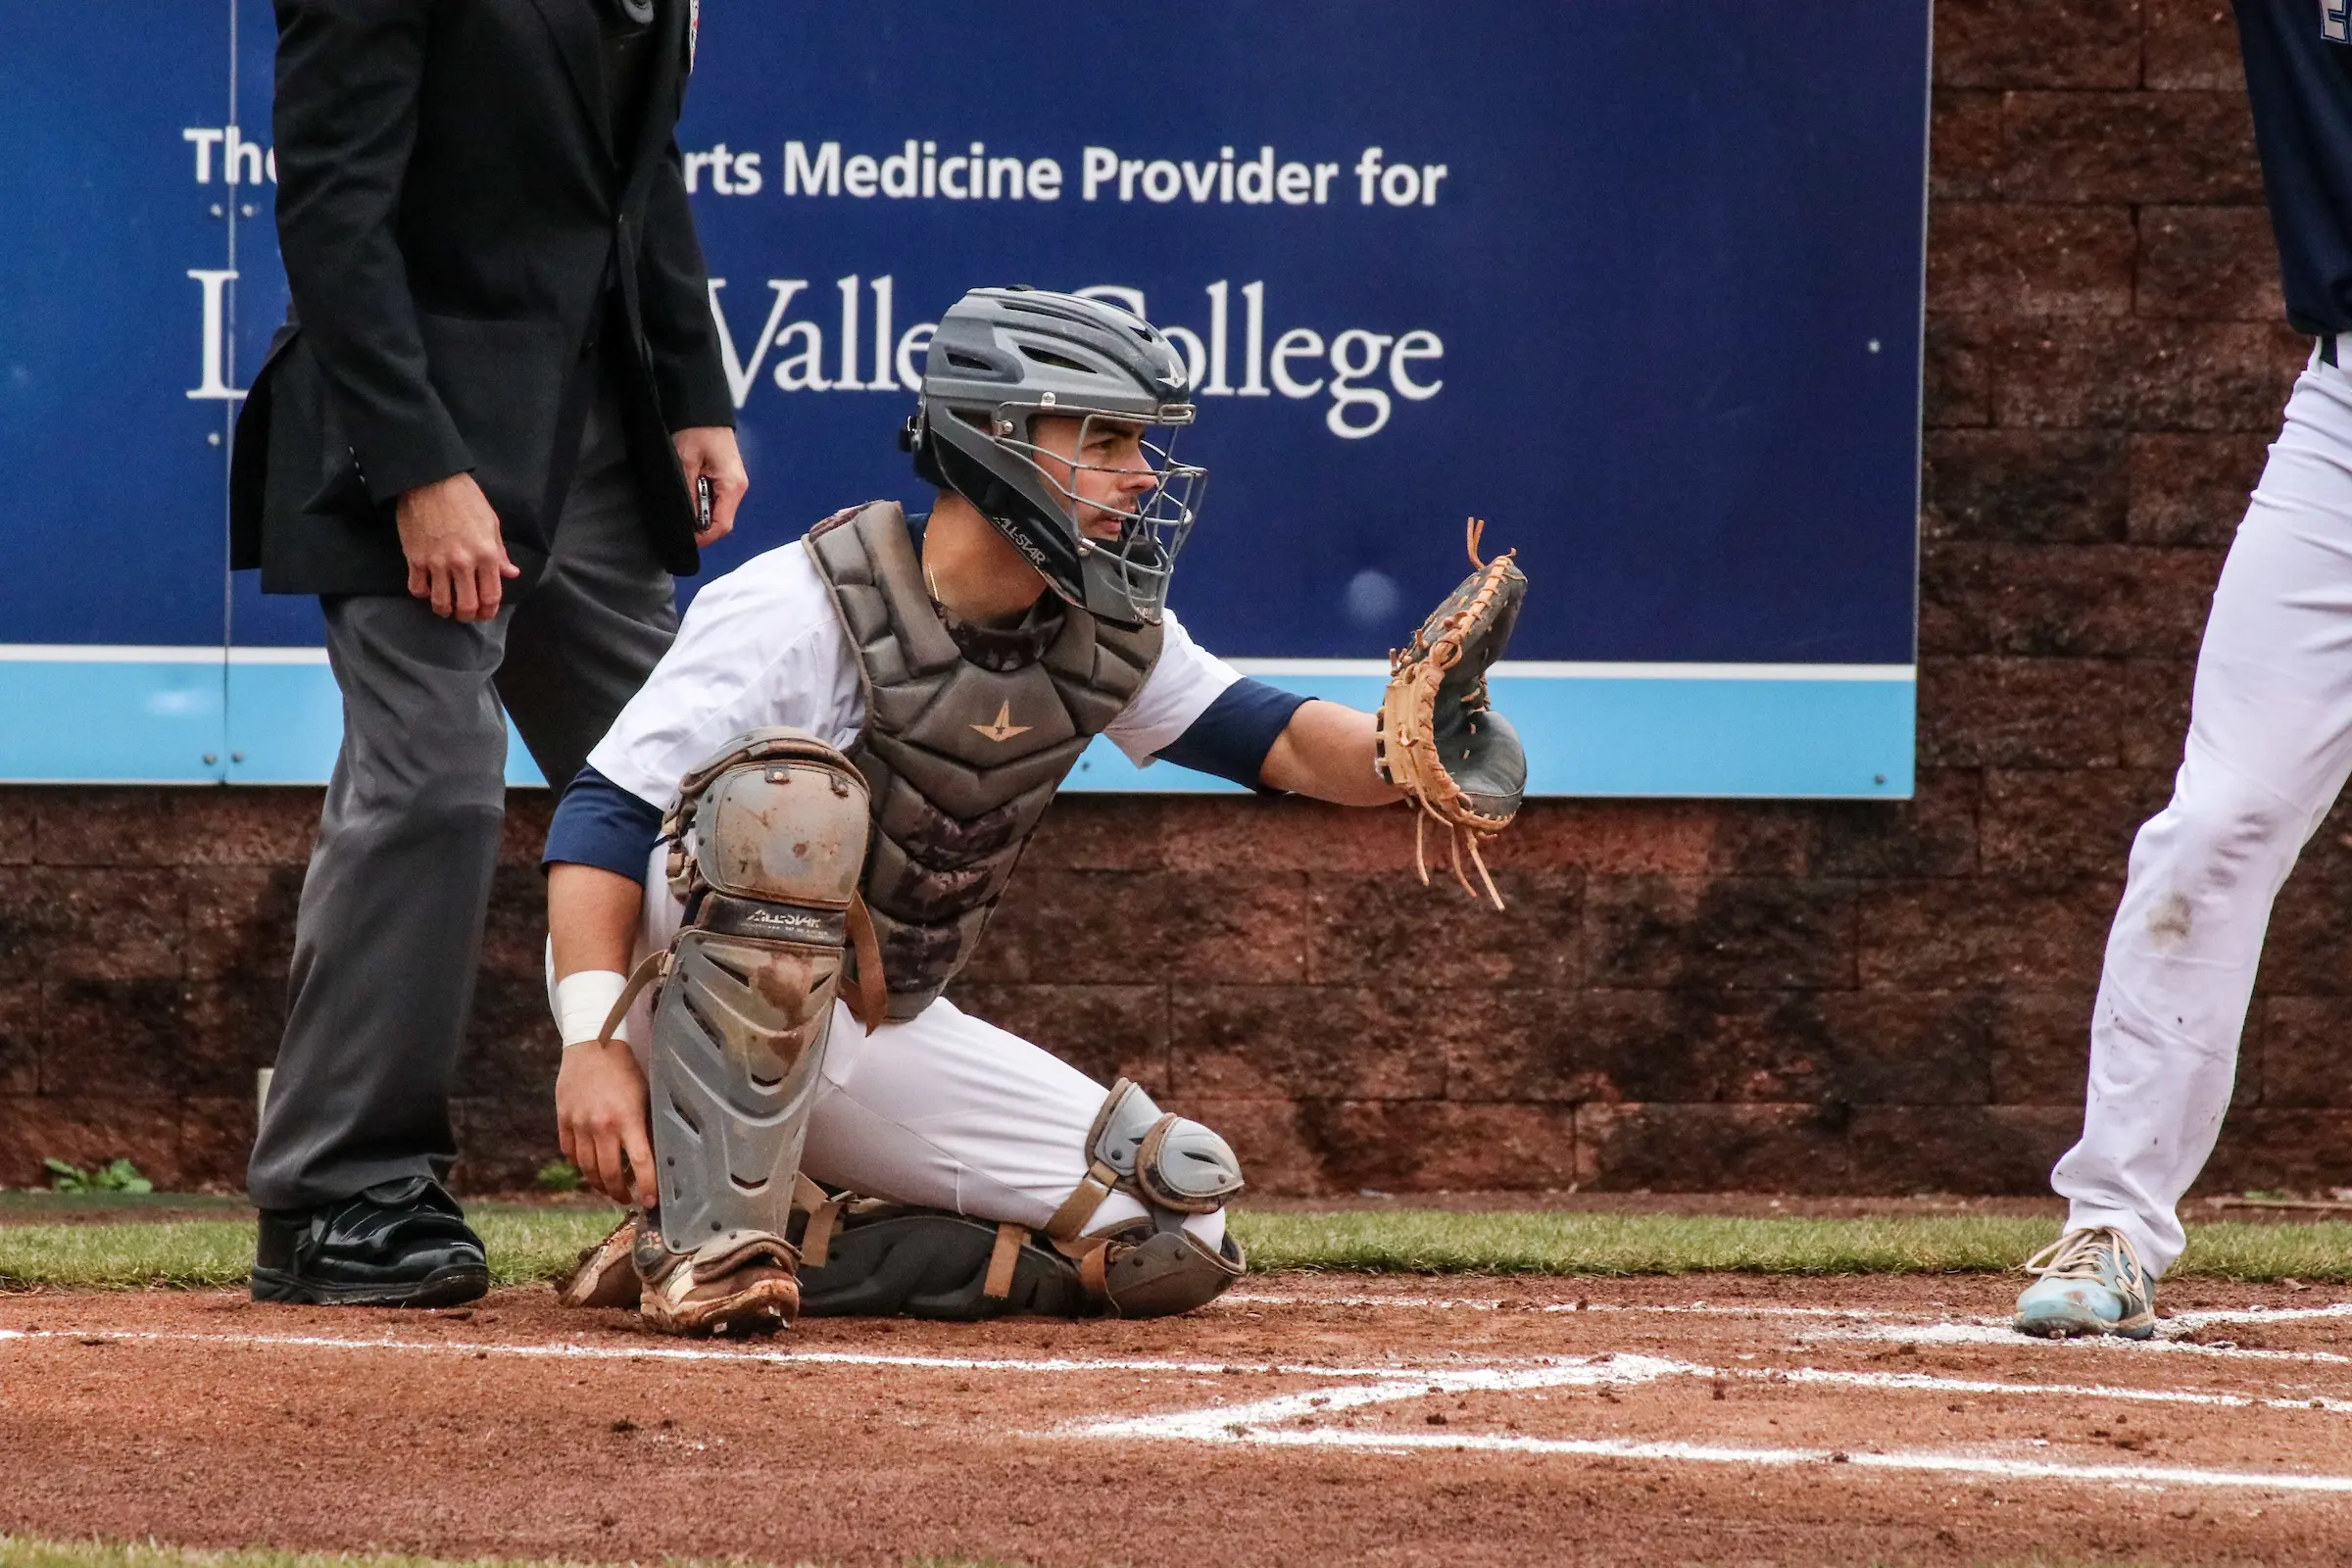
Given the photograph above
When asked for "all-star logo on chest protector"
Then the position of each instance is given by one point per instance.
(961, 759)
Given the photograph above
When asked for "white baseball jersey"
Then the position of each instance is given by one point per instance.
(942, 1109)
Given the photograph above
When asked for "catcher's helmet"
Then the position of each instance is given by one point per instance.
(1000, 358)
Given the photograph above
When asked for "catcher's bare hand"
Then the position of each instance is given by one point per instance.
(601, 1119)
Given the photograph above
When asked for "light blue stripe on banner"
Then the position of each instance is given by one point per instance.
(285, 721)
(67, 717)
(1848, 736)
(118, 715)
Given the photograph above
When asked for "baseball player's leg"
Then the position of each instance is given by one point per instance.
(2269, 748)
(386, 939)
(595, 624)
(986, 1136)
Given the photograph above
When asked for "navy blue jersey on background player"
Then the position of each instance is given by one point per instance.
(2298, 56)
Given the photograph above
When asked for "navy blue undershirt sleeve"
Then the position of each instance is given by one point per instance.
(601, 824)
(1233, 734)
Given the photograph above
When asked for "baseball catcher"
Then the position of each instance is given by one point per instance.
(791, 840)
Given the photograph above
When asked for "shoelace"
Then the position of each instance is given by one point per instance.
(2075, 1257)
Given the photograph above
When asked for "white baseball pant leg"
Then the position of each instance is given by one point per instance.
(944, 1109)
(2270, 743)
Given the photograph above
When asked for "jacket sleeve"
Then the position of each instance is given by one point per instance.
(345, 121)
(674, 297)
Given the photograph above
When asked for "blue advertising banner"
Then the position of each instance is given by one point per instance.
(1639, 285)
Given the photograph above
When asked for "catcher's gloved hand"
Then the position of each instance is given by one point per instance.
(1455, 758)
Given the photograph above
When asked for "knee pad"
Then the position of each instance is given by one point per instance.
(1168, 1163)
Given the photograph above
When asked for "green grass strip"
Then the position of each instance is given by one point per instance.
(536, 1243)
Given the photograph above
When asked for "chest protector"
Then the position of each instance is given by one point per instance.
(960, 756)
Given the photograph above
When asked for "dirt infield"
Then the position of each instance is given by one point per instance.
(1724, 1420)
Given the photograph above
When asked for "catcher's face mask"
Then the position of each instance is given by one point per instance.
(1118, 482)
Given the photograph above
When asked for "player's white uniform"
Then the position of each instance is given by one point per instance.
(2270, 745)
(943, 1109)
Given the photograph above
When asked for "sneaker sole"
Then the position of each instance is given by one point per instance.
(449, 1287)
(2063, 1329)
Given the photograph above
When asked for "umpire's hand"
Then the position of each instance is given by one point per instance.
(709, 452)
(456, 557)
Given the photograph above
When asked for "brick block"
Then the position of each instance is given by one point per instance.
(108, 1036)
(1689, 1047)
(1765, 838)
(514, 926)
(104, 827)
(216, 1138)
(229, 1029)
(1988, 1149)
(2190, 44)
(1711, 1149)
(2302, 1150)
(246, 826)
(2137, 147)
(241, 921)
(1390, 931)
(1420, 1146)
(1956, 370)
(2041, 1047)
(1228, 833)
(1662, 838)
(1988, 933)
(1108, 1032)
(1111, 928)
(2212, 264)
(1955, 591)
(2053, 713)
(512, 1048)
(2093, 601)
(502, 1142)
(522, 831)
(1279, 1151)
(1964, 145)
(2304, 1063)
(2146, 375)
(2025, 486)
(89, 1130)
(1932, 834)
(2030, 259)
(20, 1037)
(1124, 832)
(2308, 950)
(2191, 489)
(2064, 823)
(1731, 933)
(20, 831)
(1320, 1042)
(61, 923)
(2037, 43)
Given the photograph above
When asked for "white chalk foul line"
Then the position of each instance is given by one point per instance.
(1930, 1461)
(2177, 1323)
(1985, 1332)
(564, 1351)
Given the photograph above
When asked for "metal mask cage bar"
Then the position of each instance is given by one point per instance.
(1152, 530)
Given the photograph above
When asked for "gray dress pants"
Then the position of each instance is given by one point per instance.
(389, 930)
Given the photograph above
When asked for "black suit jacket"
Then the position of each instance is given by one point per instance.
(452, 212)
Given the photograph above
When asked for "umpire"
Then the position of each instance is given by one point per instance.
(477, 440)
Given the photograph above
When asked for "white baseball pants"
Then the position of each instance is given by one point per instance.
(2270, 743)
(945, 1109)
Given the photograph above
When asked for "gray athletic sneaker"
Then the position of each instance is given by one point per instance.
(2092, 1282)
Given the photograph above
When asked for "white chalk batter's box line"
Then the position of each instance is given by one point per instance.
(1257, 1422)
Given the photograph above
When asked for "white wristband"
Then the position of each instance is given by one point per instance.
(584, 1000)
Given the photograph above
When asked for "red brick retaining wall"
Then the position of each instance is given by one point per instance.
(1814, 998)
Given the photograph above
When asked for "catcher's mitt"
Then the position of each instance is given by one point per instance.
(1455, 758)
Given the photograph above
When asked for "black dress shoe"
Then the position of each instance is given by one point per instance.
(397, 1244)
